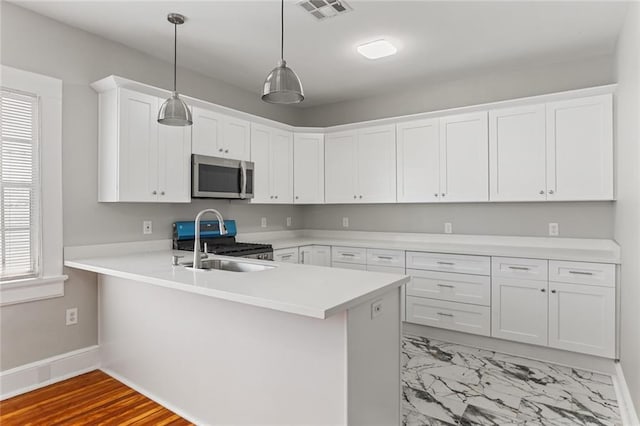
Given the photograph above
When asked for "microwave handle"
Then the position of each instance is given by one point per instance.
(243, 180)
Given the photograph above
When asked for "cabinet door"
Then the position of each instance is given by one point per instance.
(517, 154)
(580, 149)
(287, 255)
(519, 310)
(306, 255)
(464, 158)
(418, 161)
(321, 255)
(377, 165)
(582, 318)
(207, 133)
(174, 164)
(308, 168)
(138, 147)
(281, 167)
(236, 139)
(260, 142)
(340, 167)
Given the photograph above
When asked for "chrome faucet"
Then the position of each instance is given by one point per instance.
(197, 261)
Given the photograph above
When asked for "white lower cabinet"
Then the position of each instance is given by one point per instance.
(519, 310)
(315, 255)
(464, 288)
(582, 318)
(450, 315)
(287, 255)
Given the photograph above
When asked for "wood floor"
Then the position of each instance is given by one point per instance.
(90, 399)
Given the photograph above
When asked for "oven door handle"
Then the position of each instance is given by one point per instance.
(243, 180)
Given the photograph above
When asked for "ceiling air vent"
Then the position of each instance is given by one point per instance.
(323, 9)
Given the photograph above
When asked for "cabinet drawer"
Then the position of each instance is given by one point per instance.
(453, 316)
(602, 274)
(477, 265)
(463, 288)
(393, 258)
(513, 267)
(289, 255)
(345, 265)
(349, 255)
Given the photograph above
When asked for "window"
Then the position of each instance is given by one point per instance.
(19, 186)
(30, 187)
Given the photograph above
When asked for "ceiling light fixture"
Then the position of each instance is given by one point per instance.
(377, 49)
(282, 85)
(174, 111)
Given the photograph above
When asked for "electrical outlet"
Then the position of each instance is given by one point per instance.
(288, 221)
(147, 227)
(345, 222)
(263, 222)
(72, 316)
(448, 228)
(376, 309)
(554, 229)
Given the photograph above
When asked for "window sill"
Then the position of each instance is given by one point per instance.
(28, 290)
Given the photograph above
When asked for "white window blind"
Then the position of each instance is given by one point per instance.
(19, 186)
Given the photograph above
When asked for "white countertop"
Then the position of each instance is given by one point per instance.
(311, 291)
(553, 248)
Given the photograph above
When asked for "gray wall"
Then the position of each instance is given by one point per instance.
(627, 209)
(36, 330)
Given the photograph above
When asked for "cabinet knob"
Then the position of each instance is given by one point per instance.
(226, 151)
(543, 290)
(297, 197)
(355, 196)
(154, 192)
(541, 192)
(551, 191)
(220, 150)
(271, 197)
(276, 197)
(162, 193)
(553, 291)
(435, 195)
(361, 196)
(443, 194)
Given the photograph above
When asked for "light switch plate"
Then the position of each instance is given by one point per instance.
(376, 309)
(554, 229)
(72, 316)
(345, 222)
(448, 228)
(147, 227)
(288, 221)
(263, 222)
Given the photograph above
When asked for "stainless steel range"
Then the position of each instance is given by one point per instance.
(225, 245)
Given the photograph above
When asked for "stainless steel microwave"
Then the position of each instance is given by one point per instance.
(213, 177)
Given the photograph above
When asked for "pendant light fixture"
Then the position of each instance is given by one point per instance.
(282, 85)
(174, 111)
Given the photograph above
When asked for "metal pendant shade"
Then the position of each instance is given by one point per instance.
(174, 111)
(282, 85)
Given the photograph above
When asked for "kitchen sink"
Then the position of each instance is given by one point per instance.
(228, 265)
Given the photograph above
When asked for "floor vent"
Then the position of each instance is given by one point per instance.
(324, 9)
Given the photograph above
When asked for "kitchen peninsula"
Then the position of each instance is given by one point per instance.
(304, 344)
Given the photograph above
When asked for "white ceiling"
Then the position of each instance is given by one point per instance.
(238, 41)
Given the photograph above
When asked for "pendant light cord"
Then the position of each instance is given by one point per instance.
(175, 54)
(282, 30)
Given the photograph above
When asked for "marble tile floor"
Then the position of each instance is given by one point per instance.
(448, 384)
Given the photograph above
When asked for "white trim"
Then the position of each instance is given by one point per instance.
(625, 403)
(45, 372)
(30, 289)
(49, 92)
(115, 249)
(179, 411)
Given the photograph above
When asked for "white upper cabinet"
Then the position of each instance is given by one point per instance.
(218, 135)
(140, 160)
(580, 149)
(272, 153)
(308, 168)
(464, 162)
(418, 161)
(360, 166)
(517, 153)
(341, 159)
(377, 165)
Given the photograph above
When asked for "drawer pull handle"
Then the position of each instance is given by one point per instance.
(347, 254)
(285, 256)
(519, 268)
(445, 285)
(445, 315)
(580, 273)
(385, 257)
(446, 263)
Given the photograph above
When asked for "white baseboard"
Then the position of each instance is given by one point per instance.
(153, 397)
(625, 403)
(42, 373)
